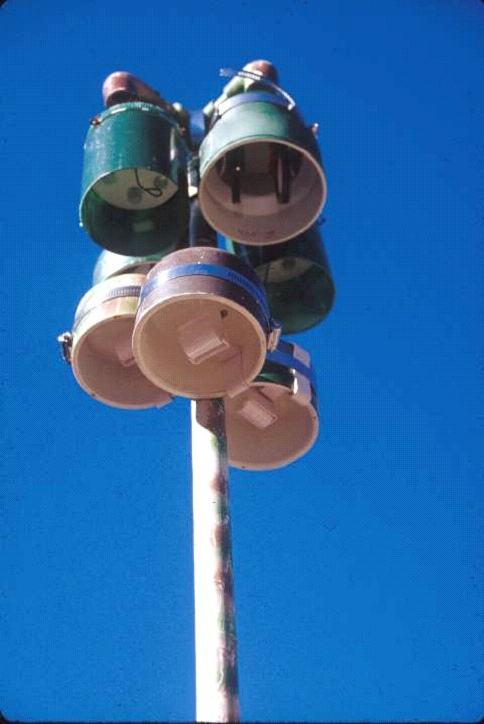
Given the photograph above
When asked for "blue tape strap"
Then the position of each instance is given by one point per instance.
(134, 290)
(211, 270)
(288, 360)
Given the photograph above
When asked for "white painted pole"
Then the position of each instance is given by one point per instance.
(217, 697)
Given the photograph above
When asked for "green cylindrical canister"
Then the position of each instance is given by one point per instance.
(134, 197)
(261, 175)
(110, 265)
(296, 276)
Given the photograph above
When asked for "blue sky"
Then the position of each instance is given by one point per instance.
(359, 568)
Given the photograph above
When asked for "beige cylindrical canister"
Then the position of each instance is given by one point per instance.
(203, 325)
(275, 420)
(102, 355)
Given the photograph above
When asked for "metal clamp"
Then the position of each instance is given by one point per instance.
(99, 297)
(259, 78)
(65, 340)
(274, 335)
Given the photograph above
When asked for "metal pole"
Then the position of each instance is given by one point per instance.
(217, 697)
(217, 689)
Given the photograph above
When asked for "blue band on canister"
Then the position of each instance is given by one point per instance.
(288, 360)
(133, 290)
(211, 270)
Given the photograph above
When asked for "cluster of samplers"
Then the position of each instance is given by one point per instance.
(171, 315)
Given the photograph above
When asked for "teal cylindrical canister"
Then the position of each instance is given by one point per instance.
(261, 175)
(109, 265)
(134, 198)
(296, 277)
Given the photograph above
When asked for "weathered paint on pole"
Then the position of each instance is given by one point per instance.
(217, 697)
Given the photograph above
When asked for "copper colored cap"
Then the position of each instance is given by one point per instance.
(264, 67)
(123, 87)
